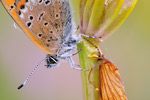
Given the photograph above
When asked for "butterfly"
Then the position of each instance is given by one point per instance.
(50, 25)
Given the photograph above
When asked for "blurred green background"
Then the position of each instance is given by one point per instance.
(128, 48)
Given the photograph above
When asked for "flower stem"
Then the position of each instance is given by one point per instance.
(89, 92)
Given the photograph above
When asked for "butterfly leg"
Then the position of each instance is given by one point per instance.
(90, 36)
(70, 55)
(73, 66)
(65, 53)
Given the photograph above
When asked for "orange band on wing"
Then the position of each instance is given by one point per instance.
(7, 4)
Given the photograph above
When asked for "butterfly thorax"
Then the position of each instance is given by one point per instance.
(64, 53)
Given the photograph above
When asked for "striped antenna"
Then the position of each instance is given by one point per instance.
(29, 76)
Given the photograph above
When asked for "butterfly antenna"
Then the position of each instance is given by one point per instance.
(29, 76)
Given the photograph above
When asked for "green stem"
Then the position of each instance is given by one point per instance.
(89, 92)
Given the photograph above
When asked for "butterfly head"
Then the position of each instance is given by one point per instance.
(51, 61)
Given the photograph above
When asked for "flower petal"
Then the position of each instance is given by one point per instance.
(126, 9)
(96, 15)
(81, 10)
(87, 14)
(112, 9)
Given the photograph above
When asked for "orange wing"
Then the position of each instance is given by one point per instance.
(7, 4)
(111, 84)
(46, 23)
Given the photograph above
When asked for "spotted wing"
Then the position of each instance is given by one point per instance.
(111, 84)
(44, 21)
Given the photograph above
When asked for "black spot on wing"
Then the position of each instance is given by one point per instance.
(29, 24)
(22, 6)
(31, 17)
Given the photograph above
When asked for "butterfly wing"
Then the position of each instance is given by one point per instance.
(44, 21)
(111, 84)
